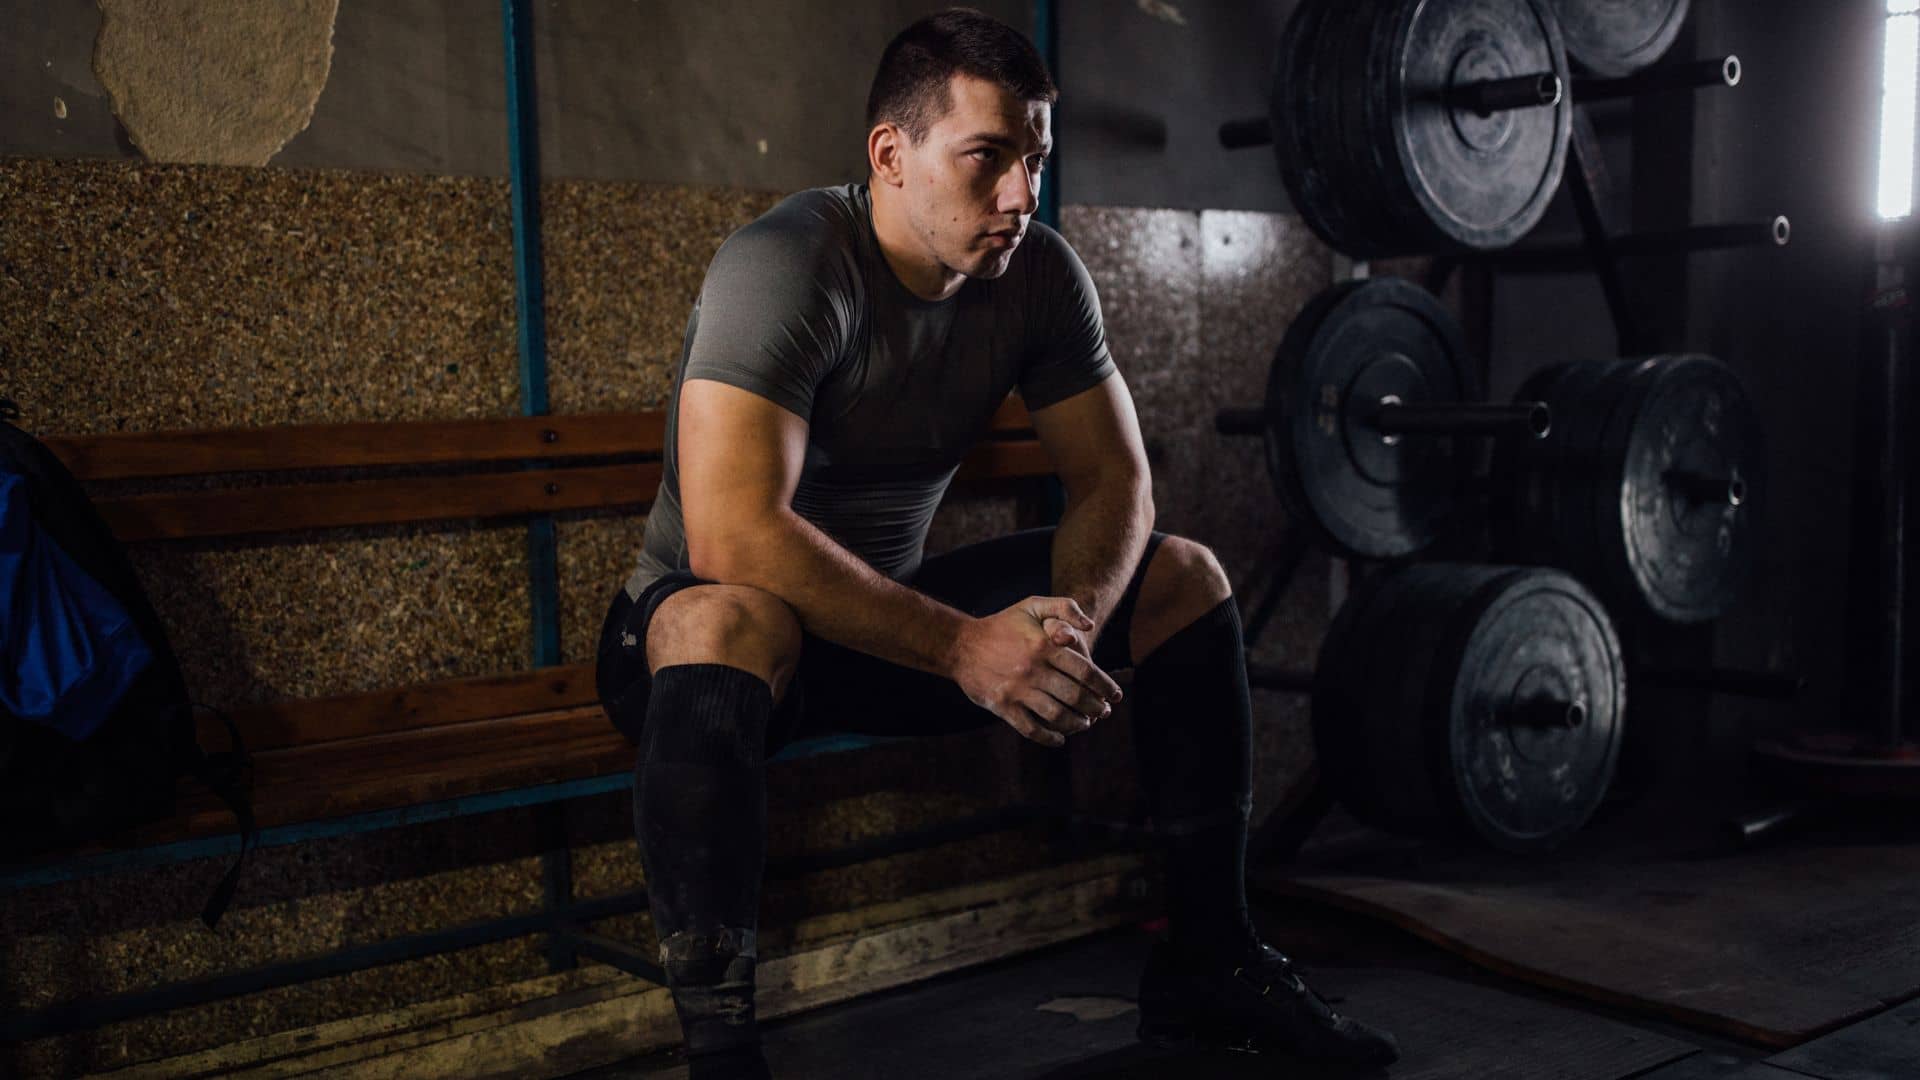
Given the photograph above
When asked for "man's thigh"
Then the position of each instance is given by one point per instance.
(847, 690)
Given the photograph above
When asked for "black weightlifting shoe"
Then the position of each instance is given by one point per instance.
(1257, 1005)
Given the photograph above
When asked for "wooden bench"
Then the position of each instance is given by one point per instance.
(368, 760)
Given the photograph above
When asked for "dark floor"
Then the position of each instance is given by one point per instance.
(1068, 1012)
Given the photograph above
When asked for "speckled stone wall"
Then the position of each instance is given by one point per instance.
(1196, 304)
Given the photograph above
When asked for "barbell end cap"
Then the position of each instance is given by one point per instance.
(1552, 89)
(1540, 420)
(1730, 71)
(1782, 231)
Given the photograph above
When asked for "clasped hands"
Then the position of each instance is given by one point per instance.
(1032, 666)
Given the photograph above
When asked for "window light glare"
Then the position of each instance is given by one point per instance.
(1897, 110)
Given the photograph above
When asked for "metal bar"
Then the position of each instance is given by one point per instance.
(1587, 184)
(1241, 134)
(1703, 488)
(1720, 71)
(1462, 418)
(1891, 355)
(1775, 231)
(1240, 421)
(1765, 685)
(1504, 95)
(75, 1016)
(93, 865)
(1287, 557)
(1545, 713)
(79, 1015)
(611, 952)
(523, 151)
(556, 865)
(30, 875)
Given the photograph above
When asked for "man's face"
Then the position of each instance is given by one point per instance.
(973, 183)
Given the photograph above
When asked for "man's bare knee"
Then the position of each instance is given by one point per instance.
(1183, 582)
(736, 625)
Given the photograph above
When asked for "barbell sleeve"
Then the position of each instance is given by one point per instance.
(1533, 418)
(1694, 75)
(1241, 134)
(1545, 712)
(1706, 489)
(1503, 95)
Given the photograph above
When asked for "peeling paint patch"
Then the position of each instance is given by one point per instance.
(1089, 1010)
(214, 82)
(1162, 10)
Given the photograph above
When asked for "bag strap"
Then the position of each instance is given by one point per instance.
(228, 774)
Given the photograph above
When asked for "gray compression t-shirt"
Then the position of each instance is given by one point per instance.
(801, 308)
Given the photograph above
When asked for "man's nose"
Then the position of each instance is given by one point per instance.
(1019, 191)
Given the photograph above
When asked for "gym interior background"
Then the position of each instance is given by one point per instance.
(300, 213)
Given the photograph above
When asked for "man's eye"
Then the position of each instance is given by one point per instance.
(985, 153)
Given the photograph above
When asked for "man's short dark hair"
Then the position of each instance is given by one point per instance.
(911, 87)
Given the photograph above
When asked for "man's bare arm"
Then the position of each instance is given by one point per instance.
(1094, 441)
(739, 458)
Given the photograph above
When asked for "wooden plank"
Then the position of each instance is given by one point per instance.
(153, 454)
(379, 712)
(378, 772)
(342, 446)
(340, 1043)
(595, 1026)
(290, 507)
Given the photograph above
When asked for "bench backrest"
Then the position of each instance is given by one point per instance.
(564, 463)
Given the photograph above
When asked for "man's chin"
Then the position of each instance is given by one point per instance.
(991, 265)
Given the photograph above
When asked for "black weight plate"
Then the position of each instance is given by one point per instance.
(1377, 157)
(1615, 38)
(1686, 445)
(1368, 496)
(1411, 710)
(1524, 786)
(1474, 182)
(1364, 698)
(1546, 482)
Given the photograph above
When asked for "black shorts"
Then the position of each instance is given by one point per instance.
(838, 689)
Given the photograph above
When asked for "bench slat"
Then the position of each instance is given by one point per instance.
(148, 455)
(290, 507)
(448, 701)
(352, 776)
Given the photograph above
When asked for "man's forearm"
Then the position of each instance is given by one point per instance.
(839, 597)
(1097, 545)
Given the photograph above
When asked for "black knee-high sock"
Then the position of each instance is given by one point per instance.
(700, 814)
(1193, 730)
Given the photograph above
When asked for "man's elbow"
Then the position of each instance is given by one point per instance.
(730, 553)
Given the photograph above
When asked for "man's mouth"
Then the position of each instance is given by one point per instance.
(1004, 238)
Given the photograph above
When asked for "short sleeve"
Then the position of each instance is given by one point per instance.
(774, 312)
(1070, 351)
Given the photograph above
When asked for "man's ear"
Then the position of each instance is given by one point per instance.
(886, 144)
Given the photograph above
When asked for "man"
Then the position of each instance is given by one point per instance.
(845, 352)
